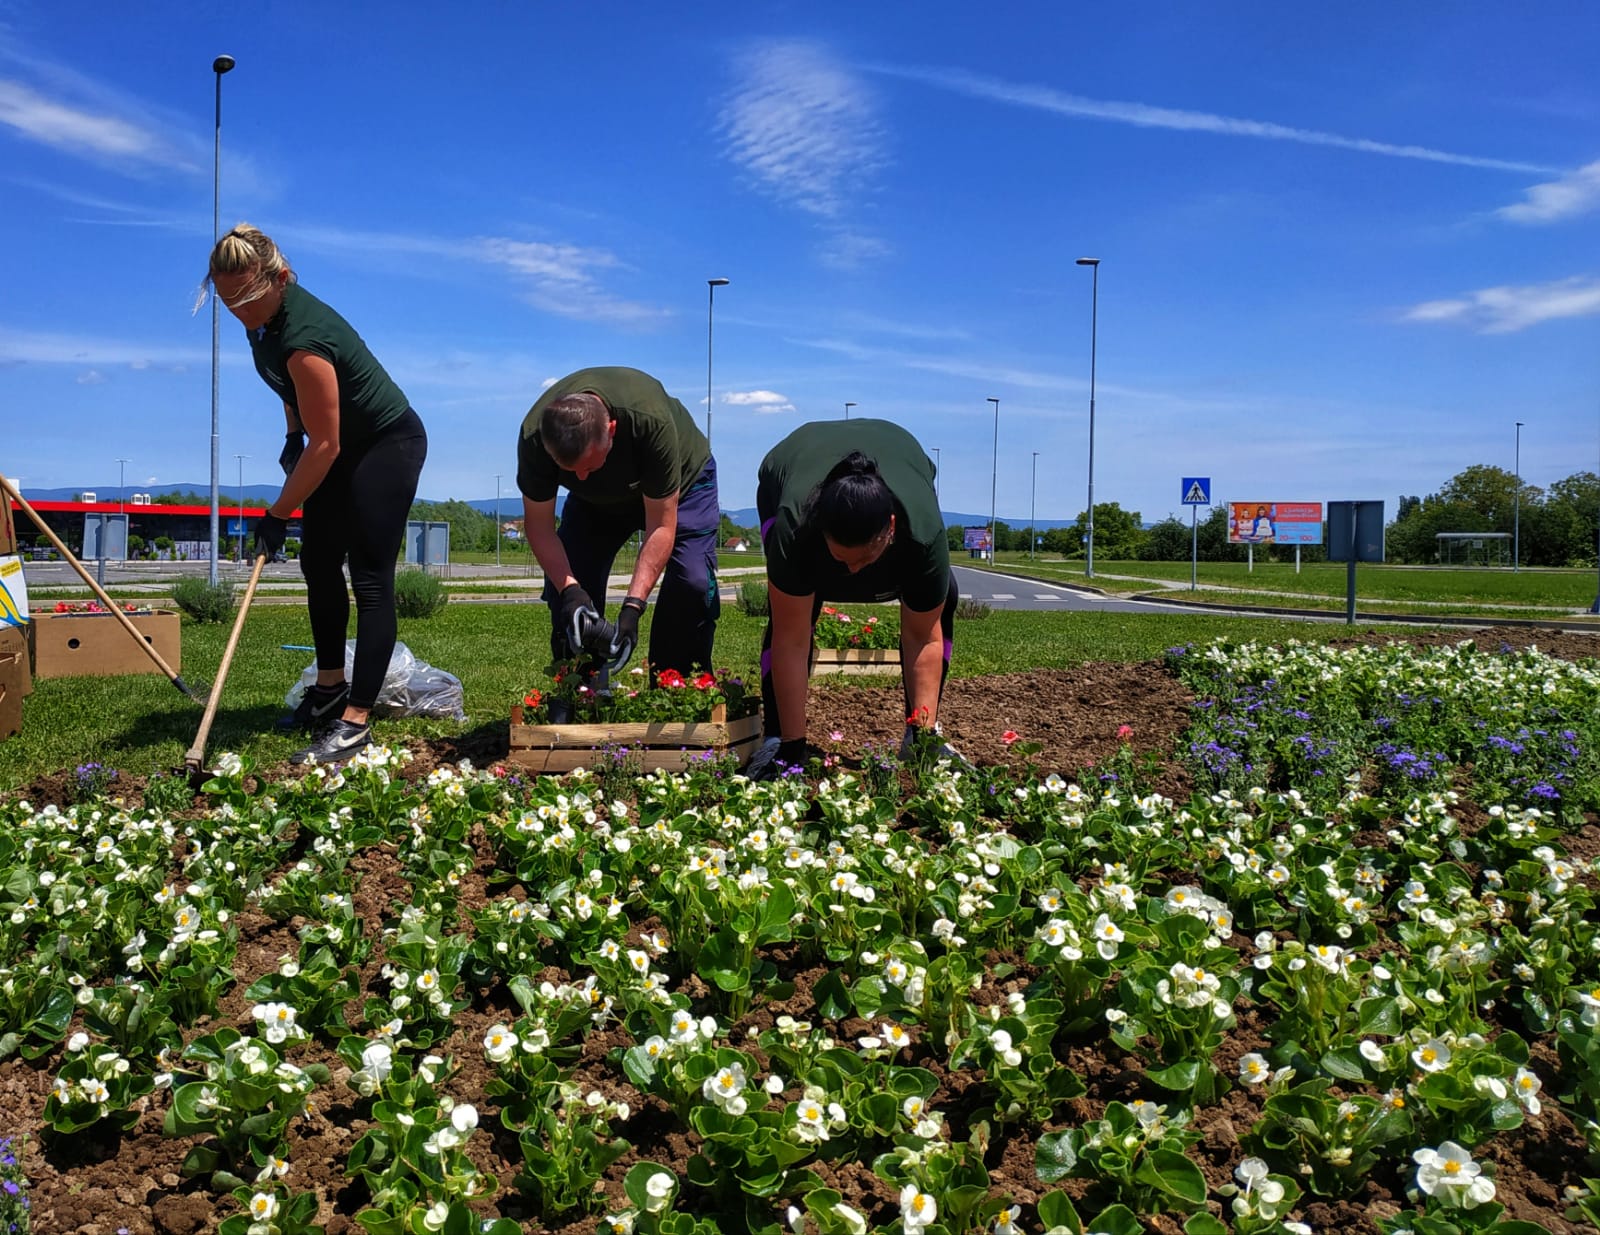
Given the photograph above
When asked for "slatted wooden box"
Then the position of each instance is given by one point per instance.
(856, 660)
(659, 744)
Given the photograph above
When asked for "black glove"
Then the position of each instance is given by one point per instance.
(627, 631)
(575, 614)
(270, 531)
(774, 756)
(294, 445)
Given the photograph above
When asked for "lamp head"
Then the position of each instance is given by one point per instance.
(221, 65)
(1088, 261)
(717, 282)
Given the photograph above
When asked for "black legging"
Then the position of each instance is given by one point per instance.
(359, 512)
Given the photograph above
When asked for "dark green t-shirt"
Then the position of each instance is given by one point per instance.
(656, 453)
(915, 568)
(369, 400)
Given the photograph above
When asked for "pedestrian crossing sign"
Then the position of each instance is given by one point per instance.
(1197, 490)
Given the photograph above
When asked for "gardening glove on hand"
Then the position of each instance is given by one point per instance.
(294, 445)
(627, 637)
(575, 613)
(774, 756)
(270, 531)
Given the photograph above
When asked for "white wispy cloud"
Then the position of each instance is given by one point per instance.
(803, 126)
(1578, 192)
(1145, 115)
(1506, 309)
(91, 377)
(848, 248)
(42, 347)
(762, 402)
(557, 278)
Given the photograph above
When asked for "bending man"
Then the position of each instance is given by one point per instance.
(631, 459)
(849, 513)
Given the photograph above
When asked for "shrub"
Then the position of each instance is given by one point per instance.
(417, 594)
(202, 601)
(754, 600)
(971, 610)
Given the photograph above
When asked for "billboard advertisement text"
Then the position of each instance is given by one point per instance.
(1275, 523)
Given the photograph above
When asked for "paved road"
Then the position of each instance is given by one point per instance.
(1009, 592)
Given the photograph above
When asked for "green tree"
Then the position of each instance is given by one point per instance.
(1118, 534)
(1167, 541)
(1564, 527)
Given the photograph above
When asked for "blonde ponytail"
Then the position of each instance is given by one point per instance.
(246, 250)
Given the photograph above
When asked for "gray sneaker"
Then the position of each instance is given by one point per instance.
(317, 707)
(335, 744)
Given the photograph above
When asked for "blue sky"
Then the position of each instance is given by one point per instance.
(1343, 248)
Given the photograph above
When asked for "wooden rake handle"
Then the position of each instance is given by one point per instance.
(197, 752)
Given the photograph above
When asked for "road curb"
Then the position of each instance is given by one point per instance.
(1404, 619)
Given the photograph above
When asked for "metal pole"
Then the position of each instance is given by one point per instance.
(1033, 496)
(994, 473)
(711, 304)
(241, 459)
(1094, 326)
(1516, 508)
(847, 408)
(1194, 548)
(219, 66)
(497, 476)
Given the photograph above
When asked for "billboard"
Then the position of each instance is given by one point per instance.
(1275, 523)
(975, 538)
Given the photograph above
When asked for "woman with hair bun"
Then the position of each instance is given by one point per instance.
(849, 512)
(353, 450)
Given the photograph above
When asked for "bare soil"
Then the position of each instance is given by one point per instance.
(98, 1185)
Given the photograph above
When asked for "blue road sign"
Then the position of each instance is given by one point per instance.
(1197, 490)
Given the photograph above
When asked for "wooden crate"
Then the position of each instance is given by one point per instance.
(857, 660)
(660, 744)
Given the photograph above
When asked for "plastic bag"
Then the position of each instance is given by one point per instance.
(411, 687)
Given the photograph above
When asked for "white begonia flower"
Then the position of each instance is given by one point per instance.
(1005, 1222)
(854, 1222)
(264, 1206)
(77, 1042)
(1432, 1056)
(1526, 1086)
(1107, 936)
(774, 1084)
(1253, 1069)
(1002, 1045)
(1250, 1172)
(1450, 1173)
(658, 1190)
(498, 1044)
(725, 1087)
(1371, 1051)
(434, 1218)
(917, 1209)
(377, 1059)
(464, 1118)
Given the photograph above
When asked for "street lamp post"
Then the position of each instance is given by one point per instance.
(994, 474)
(121, 513)
(711, 303)
(219, 66)
(1033, 494)
(847, 408)
(497, 476)
(1516, 508)
(1094, 322)
(241, 459)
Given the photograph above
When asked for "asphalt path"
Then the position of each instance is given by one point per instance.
(1000, 591)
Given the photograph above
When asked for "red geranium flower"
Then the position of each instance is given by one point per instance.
(670, 677)
(1124, 731)
(705, 681)
(919, 717)
(533, 698)
(1009, 736)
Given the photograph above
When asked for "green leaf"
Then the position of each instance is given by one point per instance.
(831, 996)
(1174, 1174)
(1381, 1016)
(1180, 1077)
(1204, 1224)
(1057, 1214)
(1344, 1064)
(1116, 1220)
(1055, 1156)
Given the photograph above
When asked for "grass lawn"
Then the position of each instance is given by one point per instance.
(1560, 590)
(142, 723)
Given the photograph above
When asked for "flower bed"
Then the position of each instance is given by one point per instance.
(838, 629)
(963, 1000)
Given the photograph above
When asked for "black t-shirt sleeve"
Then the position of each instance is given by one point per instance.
(536, 470)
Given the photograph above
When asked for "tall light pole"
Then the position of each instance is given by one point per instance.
(241, 459)
(1516, 508)
(219, 66)
(711, 304)
(122, 465)
(937, 468)
(1094, 322)
(1033, 494)
(994, 474)
(497, 476)
(847, 408)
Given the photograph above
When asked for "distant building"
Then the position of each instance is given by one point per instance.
(180, 524)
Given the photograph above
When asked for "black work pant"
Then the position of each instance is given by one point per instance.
(358, 515)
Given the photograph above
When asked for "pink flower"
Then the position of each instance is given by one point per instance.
(836, 736)
(1124, 732)
(1009, 736)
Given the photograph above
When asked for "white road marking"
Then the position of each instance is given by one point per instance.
(1048, 596)
(966, 595)
(1003, 596)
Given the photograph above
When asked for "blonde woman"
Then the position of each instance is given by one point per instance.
(352, 454)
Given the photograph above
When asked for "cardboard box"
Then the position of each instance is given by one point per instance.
(15, 679)
(67, 645)
(8, 528)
